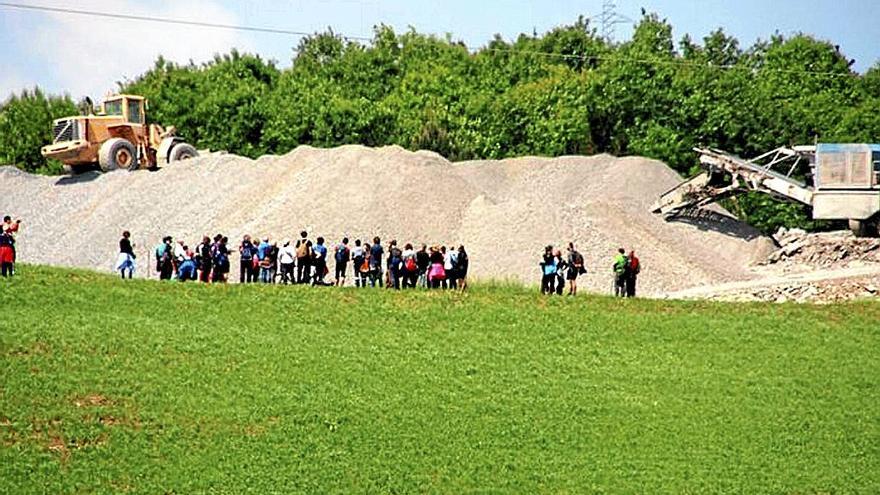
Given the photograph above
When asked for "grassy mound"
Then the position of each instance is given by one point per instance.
(142, 387)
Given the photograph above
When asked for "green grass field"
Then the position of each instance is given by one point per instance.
(141, 387)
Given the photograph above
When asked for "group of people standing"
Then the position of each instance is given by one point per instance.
(7, 245)
(306, 262)
(557, 269)
(435, 267)
(209, 262)
(626, 269)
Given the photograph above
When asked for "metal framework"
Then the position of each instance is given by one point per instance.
(770, 173)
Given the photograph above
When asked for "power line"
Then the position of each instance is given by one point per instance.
(614, 19)
(165, 20)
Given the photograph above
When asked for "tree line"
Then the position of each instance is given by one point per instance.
(567, 91)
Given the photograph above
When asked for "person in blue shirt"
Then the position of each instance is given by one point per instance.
(548, 271)
(263, 251)
(246, 273)
(319, 261)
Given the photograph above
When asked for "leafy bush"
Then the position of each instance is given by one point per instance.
(26, 126)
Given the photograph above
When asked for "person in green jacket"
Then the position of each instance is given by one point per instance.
(619, 267)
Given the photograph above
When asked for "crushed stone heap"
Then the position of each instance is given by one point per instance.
(504, 211)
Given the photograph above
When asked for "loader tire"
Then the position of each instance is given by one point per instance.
(117, 153)
(182, 151)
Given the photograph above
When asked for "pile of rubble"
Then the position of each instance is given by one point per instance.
(824, 249)
(810, 292)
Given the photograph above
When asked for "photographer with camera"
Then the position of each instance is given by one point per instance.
(7, 246)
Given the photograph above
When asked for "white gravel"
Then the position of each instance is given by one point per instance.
(503, 211)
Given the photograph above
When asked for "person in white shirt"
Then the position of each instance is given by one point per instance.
(358, 258)
(450, 257)
(410, 268)
(287, 259)
(179, 255)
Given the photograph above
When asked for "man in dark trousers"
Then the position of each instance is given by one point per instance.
(303, 258)
(164, 259)
(633, 267)
(247, 250)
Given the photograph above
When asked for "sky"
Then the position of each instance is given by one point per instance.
(82, 55)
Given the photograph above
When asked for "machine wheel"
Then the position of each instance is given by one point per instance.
(182, 151)
(117, 153)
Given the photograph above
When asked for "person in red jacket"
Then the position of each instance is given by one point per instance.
(7, 245)
(633, 267)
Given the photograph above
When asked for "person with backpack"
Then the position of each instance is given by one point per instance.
(357, 259)
(287, 260)
(395, 258)
(303, 258)
(246, 251)
(264, 261)
(449, 256)
(461, 269)
(376, 253)
(125, 260)
(342, 255)
(204, 260)
(575, 268)
(423, 262)
(634, 267)
(164, 258)
(319, 262)
(410, 268)
(365, 268)
(220, 253)
(619, 267)
(548, 271)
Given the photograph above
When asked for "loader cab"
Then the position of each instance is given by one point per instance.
(131, 108)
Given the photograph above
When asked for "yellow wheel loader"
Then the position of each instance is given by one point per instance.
(118, 137)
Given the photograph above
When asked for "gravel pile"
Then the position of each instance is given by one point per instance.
(822, 250)
(503, 211)
(821, 292)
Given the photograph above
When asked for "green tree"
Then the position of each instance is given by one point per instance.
(26, 126)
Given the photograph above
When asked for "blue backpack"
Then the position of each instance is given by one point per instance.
(341, 253)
